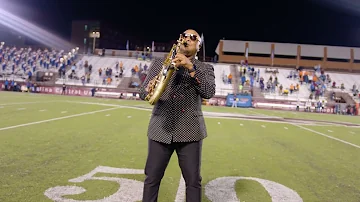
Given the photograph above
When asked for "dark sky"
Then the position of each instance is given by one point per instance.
(292, 21)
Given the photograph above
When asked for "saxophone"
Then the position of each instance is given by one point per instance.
(157, 85)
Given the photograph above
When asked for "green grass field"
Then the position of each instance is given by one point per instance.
(46, 141)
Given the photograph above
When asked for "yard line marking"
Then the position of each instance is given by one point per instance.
(21, 108)
(63, 112)
(263, 126)
(107, 115)
(285, 128)
(330, 131)
(241, 124)
(1, 107)
(334, 138)
(352, 132)
(56, 119)
(20, 103)
(42, 110)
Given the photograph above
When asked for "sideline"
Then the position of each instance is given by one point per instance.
(56, 119)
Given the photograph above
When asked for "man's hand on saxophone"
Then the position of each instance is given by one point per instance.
(181, 60)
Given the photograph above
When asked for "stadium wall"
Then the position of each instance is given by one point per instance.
(104, 92)
(334, 58)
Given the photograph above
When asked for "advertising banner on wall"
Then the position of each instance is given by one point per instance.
(70, 90)
(243, 100)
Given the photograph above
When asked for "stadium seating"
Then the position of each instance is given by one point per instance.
(17, 63)
(302, 94)
(222, 86)
(102, 62)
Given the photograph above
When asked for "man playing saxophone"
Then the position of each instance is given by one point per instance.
(177, 122)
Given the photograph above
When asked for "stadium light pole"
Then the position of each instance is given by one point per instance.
(94, 35)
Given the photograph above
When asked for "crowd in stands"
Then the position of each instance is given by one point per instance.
(85, 77)
(25, 62)
(12, 85)
(315, 80)
(247, 77)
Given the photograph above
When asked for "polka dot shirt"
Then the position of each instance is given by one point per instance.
(177, 116)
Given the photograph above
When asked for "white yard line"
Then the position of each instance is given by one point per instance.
(56, 119)
(322, 134)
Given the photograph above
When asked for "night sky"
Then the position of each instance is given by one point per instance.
(292, 21)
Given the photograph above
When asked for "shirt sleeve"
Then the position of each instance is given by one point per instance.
(153, 71)
(204, 81)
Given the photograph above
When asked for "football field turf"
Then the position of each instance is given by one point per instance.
(60, 148)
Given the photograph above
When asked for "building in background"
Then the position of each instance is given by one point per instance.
(111, 37)
(80, 34)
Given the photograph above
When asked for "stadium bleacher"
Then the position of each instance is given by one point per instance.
(283, 77)
(98, 62)
(17, 63)
(20, 64)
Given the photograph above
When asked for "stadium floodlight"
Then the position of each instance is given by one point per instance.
(2, 43)
(94, 35)
(30, 30)
(77, 48)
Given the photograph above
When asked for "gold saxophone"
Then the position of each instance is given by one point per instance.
(157, 85)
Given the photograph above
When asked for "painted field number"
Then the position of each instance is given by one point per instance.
(221, 189)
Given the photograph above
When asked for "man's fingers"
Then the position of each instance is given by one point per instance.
(176, 60)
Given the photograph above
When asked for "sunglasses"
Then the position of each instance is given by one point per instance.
(193, 37)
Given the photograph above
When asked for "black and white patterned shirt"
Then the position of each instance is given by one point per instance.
(177, 116)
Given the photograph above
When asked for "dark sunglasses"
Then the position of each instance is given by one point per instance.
(193, 37)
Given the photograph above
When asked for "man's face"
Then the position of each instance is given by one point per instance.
(192, 39)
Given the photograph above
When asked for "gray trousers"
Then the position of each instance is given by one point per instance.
(159, 154)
